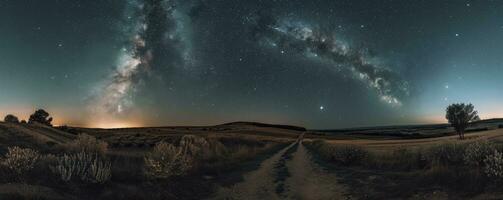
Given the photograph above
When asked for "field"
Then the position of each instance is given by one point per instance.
(250, 161)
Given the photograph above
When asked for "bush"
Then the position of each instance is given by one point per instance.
(476, 152)
(494, 164)
(167, 160)
(445, 154)
(202, 149)
(11, 119)
(20, 161)
(87, 144)
(87, 167)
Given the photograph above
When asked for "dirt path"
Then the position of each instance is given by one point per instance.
(310, 181)
(288, 174)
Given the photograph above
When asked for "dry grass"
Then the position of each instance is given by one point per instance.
(19, 160)
(167, 160)
(83, 166)
(86, 143)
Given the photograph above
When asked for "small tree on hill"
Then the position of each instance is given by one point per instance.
(11, 119)
(40, 116)
(460, 115)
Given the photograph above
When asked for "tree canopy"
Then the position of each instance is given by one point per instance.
(460, 115)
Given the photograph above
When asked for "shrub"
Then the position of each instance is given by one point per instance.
(167, 160)
(11, 119)
(445, 154)
(193, 145)
(19, 160)
(87, 144)
(87, 167)
(494, 164)
(476, 152)
(217, 150)
(86, 163)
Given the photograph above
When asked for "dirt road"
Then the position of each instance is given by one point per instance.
(291, 173)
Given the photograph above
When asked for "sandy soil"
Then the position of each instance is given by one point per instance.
(288, 174)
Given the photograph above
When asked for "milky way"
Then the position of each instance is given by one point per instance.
(153, 43)
(314, 43)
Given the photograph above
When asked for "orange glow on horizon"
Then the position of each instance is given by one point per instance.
(116, 124)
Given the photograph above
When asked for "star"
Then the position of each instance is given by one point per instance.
(457, 34)
(322, 108)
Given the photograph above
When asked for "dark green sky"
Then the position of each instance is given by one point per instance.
(124, 63)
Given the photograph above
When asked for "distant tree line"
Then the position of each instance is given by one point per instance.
(40, 116)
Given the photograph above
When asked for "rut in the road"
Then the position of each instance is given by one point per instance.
(288, 174)
(258, 184)
(309, 181)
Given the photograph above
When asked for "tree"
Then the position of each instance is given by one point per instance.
(11, 119)
(460, 115)
(40, 116)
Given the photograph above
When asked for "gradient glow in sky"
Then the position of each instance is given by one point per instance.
(318, 63)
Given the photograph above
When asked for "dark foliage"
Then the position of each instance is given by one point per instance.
(460, 115)
(40, 116)
(11, 119)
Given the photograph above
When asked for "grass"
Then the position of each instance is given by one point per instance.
(456, 167)
(376, 167)
(90, 168)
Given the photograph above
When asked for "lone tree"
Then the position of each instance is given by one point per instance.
(11, 119)
(460, 115)
(40, 116)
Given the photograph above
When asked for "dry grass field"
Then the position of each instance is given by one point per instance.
(247, 161)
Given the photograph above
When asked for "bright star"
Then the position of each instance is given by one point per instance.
(322, 108)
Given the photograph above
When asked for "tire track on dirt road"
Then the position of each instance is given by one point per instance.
(291, 173)
(309, 181)
(258, 184)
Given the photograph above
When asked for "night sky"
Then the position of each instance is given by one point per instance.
(314, 63)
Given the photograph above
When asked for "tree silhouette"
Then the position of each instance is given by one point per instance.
(11, 119)
(40, 116)
(460, 115)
